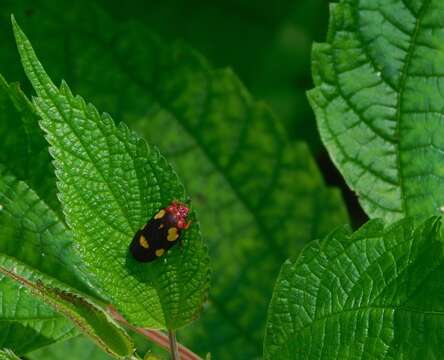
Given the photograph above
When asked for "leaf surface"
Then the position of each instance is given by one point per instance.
(77, 348)
(110, 183)
(26, 323)
(6, 354)
(31, 232)
(84, 313)
(81, 347)
(376, 293)
(378, 103)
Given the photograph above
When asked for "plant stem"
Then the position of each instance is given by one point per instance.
(173, 345)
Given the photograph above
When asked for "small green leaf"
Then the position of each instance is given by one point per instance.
(23, 150)
(110, 183)
(378, 102)
(6, 354)
(81, 347)
(31, 232)
(26, 323)
(377, 293)
(77, 348)
(87, 316)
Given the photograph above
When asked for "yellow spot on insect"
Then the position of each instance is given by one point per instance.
(172, 234)
(159, 252)
(143, 242)
(160, 214)
(161, 226)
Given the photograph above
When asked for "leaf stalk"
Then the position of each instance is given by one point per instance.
(173, 345)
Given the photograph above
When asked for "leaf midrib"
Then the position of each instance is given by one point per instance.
(403, 81)
(366, 308)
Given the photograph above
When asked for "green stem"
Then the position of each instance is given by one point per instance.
(173, 345)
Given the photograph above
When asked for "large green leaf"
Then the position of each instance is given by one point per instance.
(84, 313)
(255, 211)
(378, 103)
(374, 294)
(110, 183)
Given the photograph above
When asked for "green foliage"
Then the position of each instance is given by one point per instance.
(87, 316)
(27, 323)
(110, 182)
(378, 103)
(24, 150)
(237, 163)
(32, 233)
(76, 348)
(29, 231)
(377, 293)
(6, 354)
(266, 43)
(81, 347)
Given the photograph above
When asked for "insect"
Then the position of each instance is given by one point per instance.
(161, 232)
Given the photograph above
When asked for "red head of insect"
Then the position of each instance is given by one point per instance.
(180, 212)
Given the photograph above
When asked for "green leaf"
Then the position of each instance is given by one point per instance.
(80, 347)
(254, 212)
(23, 149)
(84, 313)
(110, 183)
(379, 106)
(77, 348)
(31, 232)
(26, 323)
(6, 354)
(377, 293)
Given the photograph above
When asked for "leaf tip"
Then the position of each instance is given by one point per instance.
(32, 66)
(18, 32)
